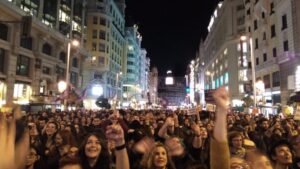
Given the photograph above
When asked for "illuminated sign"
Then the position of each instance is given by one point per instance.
(169, 80)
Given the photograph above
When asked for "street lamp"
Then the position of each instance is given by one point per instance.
(74, 43)
(62, 86)
(117, 84)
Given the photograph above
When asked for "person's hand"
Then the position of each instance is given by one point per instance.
(144, 145)
(196, 129)
(174, 146)
(170, 122)
(116, 134)
(14, 155)
(175, 117)
(221, 98)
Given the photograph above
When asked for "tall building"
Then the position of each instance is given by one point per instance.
(222, 56)
(287, 50)
(132, 86)
(107, 44)
(171, 90)
(144, 75)
(33, 58)
(261, 25)
(153, 86)
(273, 27)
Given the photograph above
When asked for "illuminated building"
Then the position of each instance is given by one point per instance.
(171, 90)
(107, 44)
(221, 62)
(31, 66)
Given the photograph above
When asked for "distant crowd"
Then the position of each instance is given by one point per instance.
(150, 139)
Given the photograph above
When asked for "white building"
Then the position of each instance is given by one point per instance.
(222, 62)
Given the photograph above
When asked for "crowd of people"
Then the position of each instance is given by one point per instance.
(150, 139)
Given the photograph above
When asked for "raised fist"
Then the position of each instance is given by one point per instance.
(221, 98)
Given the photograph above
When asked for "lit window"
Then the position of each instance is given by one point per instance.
(226, 78)
(241, 88)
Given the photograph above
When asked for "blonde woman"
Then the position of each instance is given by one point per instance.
(157, 158)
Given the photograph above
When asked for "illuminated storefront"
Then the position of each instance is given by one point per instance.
(22, 93)
(2, 93)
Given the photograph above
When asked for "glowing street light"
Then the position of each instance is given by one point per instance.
(62, 86)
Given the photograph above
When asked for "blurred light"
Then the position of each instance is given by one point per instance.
(130, 47)
(97, 90)
(169, 81)
(62, 86)
(243, 38)
(75, 42)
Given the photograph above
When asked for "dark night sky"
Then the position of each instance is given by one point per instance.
(171, 29)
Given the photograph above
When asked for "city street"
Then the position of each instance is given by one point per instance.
(138, 84)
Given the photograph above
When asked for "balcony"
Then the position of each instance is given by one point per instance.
(285, 57)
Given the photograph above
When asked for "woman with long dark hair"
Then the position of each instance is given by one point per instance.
(94, 152)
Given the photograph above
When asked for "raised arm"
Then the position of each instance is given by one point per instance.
(116, 133)
(219, 152)
(169, 123)
(15, 154)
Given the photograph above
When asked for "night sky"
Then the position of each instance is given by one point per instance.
(171, 29)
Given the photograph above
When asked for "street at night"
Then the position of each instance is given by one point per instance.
(139, 84)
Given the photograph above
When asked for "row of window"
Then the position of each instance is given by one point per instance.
(23, 65)
(102, 21)
(284, 25)
(101, 47)
(26, 42)
(267, 80)
(102, 35)
(117, 20)
(274, 51)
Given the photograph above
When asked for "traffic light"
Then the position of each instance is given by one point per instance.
(26, 26)
(187, 89)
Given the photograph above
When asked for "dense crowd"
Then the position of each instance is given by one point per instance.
(150, 139)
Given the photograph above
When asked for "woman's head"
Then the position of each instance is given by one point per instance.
(32, 156)
(64, 137)
(51, 128)
(158, 157)
(94, 148)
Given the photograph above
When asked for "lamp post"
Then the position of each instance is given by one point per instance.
(253, 71)
(74, 43)
(117, 84)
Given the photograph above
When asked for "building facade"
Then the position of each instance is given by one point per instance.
(171, 91)
(288, 46)
(153, 86)
(222, 56)
(32, 64)
(132, 87)
(261, 25)
(107, 44)
(144, 75)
